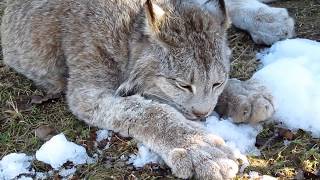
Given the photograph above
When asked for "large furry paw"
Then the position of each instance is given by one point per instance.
(246, 101)
(270, 25)
(265, 24)
(204, 157)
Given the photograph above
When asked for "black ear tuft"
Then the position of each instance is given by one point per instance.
(149, 11)
(154, 16)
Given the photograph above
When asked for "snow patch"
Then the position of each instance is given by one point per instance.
(103, 134)
(292, 73)
(24, 178)
(43, 176)
(144, 156)
(255, 176)
(240, 137)
(58, 150)
(67, 172)
(14, 164)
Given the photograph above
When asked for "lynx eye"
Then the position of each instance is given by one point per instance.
(185, 87)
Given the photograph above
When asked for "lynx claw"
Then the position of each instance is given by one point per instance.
(203, 161)
(246, 101)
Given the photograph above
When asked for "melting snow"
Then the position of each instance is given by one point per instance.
(103, 134)
(15, 164)
(24, 178)
(292, 72)
(58, 150)
(241, 137)
(144, 156)
(67, 172)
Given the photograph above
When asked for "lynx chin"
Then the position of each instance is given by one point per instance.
(146, 68)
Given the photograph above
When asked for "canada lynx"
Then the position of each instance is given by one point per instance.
(144, 69)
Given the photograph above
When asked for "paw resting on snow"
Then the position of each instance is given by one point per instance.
(265, 24)
(205, 157)
(246, 101)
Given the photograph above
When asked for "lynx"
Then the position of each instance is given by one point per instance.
(146, 69)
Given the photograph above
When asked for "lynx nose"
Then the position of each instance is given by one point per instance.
(199, 114)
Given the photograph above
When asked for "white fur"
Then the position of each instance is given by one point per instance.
(265, 24)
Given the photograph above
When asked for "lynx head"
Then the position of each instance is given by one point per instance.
(180, 56)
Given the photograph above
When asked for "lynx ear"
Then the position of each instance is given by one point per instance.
(154, 16)
(128, 88)
(133, 85)
(218, 8)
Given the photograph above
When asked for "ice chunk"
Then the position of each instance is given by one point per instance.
(58, 150)
(15, 164)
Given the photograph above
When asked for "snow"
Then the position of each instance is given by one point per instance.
(58, 150)
(255, 176)
(25, 178)
(15, 164)
(292, 72)
(67, 172)
(240, 137)
(55, 152)
(43, 176)
(144, 156)
(103, 134)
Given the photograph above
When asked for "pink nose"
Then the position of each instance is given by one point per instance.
(199, 114)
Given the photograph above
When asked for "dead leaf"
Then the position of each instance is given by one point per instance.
(286, 134)
(45, 133)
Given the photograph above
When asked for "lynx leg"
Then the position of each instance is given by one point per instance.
(246, 101)
(265, 24)
(186, 148)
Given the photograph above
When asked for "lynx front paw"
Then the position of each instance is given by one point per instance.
(246, 101)
(206, 157)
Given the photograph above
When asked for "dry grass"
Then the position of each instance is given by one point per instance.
(18, 120)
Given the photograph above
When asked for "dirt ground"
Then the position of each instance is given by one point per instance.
(19, 119)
